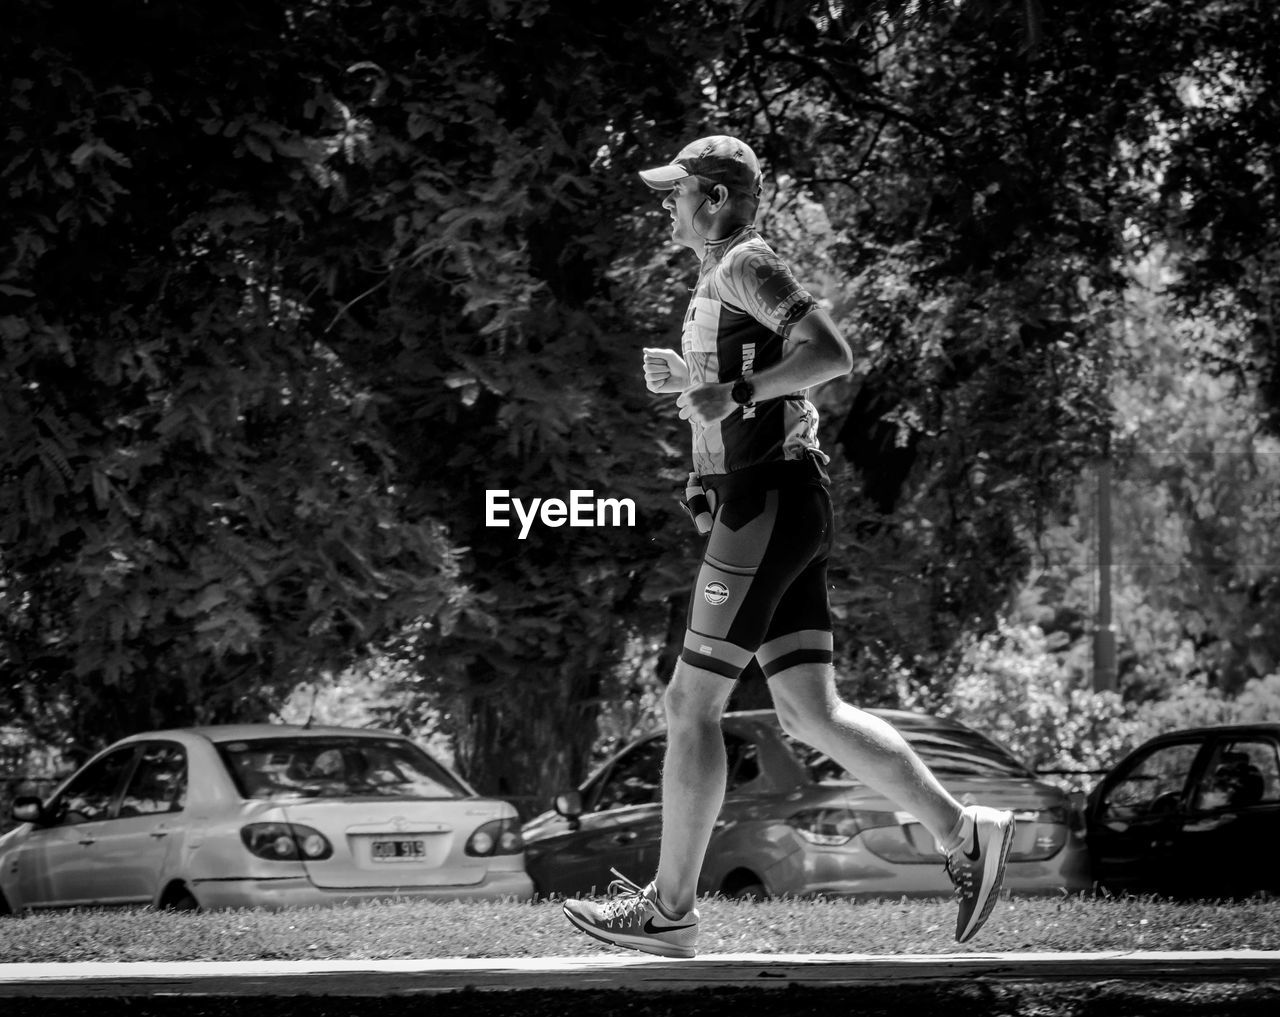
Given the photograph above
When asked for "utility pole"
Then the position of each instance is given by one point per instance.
(1104, 631)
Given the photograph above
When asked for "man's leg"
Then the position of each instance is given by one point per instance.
(760, 541)
(660, 918)
(810, 709)
(975, 838)
(693, 780)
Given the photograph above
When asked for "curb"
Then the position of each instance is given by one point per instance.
(631, 972)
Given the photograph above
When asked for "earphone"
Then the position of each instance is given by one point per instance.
(693, 219)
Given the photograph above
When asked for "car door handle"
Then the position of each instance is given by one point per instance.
(625, 837)
(157, 834)
(87, 841)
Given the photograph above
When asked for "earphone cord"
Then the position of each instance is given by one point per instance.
(693, 221)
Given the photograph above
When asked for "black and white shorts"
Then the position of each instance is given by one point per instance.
(762, 586)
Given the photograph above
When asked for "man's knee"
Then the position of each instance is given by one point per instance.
(790, 718)
(695, 697)
(804, 720)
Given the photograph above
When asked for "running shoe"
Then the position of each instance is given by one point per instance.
(631, 918)
(976, 866)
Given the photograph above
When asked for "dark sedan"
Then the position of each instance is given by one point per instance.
(1193, 813)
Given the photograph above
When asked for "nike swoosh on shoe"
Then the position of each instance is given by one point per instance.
(653, 930)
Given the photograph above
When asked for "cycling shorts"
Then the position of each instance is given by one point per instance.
(762, 587)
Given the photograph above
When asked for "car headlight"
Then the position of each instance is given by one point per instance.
(833, 827)
(286, 842)
(499, 837)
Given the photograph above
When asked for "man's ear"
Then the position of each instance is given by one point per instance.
(720, 195)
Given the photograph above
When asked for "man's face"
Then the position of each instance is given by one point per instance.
(683, 202)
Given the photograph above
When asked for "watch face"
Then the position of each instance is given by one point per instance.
(742, 392)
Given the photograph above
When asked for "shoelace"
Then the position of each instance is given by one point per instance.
(964, 875)
(627, 902)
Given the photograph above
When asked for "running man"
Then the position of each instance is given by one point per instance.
(753, 342)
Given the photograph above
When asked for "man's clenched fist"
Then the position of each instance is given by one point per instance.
(664, 371)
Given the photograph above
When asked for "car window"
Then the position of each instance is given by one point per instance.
(159, 783)
(1241, 772)
(334, 766)
(743, 760)
(963, 753)
(1152, 784)
(635, 779)
(945, 751)
(89, 795)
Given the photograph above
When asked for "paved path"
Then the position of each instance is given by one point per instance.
(622, 972)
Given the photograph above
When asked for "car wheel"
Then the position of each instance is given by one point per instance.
(179, 898)
(744, 886)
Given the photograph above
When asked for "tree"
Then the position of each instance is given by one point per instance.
(196, 508)
(1196, 500)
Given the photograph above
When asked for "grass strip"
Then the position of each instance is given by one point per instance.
(423, 930)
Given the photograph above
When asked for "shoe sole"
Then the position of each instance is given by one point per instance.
(992, 879)
(653, 946)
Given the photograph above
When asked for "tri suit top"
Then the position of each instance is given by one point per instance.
(743, 307)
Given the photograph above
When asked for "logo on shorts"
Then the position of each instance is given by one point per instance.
(715, 592)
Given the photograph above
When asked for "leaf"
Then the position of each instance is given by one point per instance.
(258, 147)
(419, 124)
(96, 147)
(12, 328)
(54, 458)
(212, 596)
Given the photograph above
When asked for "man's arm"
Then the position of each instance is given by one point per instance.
(816, 352)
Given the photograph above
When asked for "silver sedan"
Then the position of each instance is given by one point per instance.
(260, 815)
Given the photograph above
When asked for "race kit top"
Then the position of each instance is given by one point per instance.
(743, 307)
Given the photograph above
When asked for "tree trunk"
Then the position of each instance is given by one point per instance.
(531, 738)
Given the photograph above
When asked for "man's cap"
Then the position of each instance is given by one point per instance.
(719, 157)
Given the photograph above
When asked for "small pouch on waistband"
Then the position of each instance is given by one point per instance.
(696, 504)
(818, 464)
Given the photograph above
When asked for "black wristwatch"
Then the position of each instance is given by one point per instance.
(743, 392)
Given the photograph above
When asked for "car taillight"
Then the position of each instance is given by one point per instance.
(499, 837)
(286, 842)
(1040, 834)
(833, 827)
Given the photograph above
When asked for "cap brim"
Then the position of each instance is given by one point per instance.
(663, 178)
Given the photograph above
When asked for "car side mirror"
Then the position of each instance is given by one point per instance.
(27, 810)
(569, 805)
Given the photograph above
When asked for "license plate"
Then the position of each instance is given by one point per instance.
(399, 850)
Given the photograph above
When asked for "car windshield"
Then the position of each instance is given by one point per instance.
(945, 751)
(330, 766)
